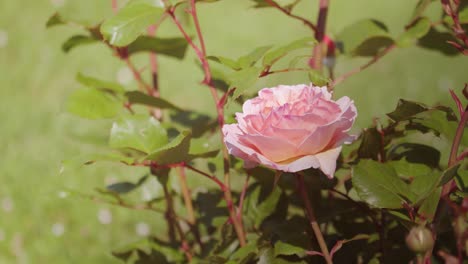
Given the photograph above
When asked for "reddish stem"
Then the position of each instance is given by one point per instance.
(319, 35)
(288, 13)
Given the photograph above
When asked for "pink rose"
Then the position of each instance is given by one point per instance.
(292, 128)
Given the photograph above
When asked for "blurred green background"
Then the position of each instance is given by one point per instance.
(40, 221)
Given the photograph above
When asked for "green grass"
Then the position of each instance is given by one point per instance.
(36, 134)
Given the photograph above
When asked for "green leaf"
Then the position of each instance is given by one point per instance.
(420, 7)
(273, 56)
(365, 38)
(174, 152)
(317, 78)
(233, 64)
(408, 170)
(462, 180)
(250, 59)
(371, 144)
(462, 17)
(437, 41)
(415, 153)
(429, 205)
(137, 97)
(93, 82)
(93, 104)
(449, 174)
(379, 185)
(416, 31)
(243, 80)
(138, 132)
(259, 212)
(173, 47)
(245, 253)
(131, 21)
(282, 248)
(406, 109)
(126, 187)
(54, 20)
(77, 40)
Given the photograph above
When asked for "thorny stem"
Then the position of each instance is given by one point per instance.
(375, 59)
(320, 34)
(453, 158)
(201, 54)
(312, 220)
(288, 13)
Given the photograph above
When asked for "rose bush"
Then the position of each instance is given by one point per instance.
(292, 128)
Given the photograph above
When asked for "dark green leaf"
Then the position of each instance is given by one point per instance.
(137, 97)
(406, 109)
(126, 187)
(243, 80)
(449, 174)
(176, 151)
(174, 47)
(416, 31)
(93, 82)
(276, 54)
(54, 20)
(250, 59)
(379, 185)
(77, 40)
(245, 254)
(138, 132)
(258, 212)
(93, 104)
(436, 40)
(415, 153)
(462, 180)
(131, 21)
(365, 38)
(317, 78)
(371, 144)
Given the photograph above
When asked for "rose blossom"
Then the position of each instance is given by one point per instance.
(291, 128)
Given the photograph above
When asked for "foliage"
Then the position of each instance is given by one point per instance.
(388, 182)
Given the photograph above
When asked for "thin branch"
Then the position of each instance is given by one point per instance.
(375, 59)
(312, 220)
(186, 194)
(288, 13)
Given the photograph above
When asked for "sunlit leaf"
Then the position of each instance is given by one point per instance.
(271, 57)
(243, 80)
(365, 38)
(173, 47)
(96, 83)
(138, 132)
(131, 21)
(233, 64)
(250, 59)
(318, 78)
(379, 185)
(176, 151)
(417, 30)
(282, 248)
(93, 104)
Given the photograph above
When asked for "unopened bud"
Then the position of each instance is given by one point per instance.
(420, 239)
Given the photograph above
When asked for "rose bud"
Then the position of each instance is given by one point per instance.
(420, 239)
(292, 128)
